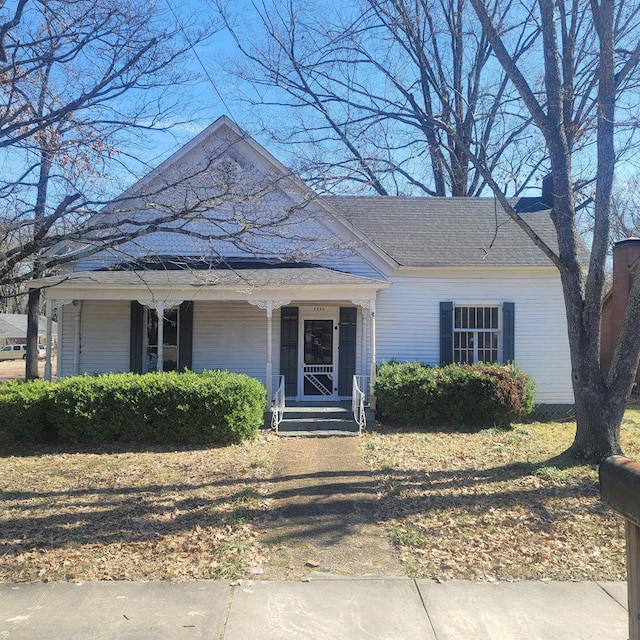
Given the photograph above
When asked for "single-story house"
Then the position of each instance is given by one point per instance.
(13, 329)
(329, 290)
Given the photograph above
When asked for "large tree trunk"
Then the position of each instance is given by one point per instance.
(33, 313)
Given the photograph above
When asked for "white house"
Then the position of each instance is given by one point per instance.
(324, 293)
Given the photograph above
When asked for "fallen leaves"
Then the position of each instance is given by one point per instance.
(491, 505)
(134, 515)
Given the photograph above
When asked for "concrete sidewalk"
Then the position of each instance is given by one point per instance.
(323, 608)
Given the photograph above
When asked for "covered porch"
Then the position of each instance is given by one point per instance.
(307, 332)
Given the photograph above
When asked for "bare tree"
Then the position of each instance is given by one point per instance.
(579, 101)
(367, 88)
(564, 75)
(79, 79)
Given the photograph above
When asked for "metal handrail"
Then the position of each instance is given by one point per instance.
(277, 402)
(358, 401)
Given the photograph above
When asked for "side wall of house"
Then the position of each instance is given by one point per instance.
(104, 337)
(408, 320)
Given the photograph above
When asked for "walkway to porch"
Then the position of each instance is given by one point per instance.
(318, 419)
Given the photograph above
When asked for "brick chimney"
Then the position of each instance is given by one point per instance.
(547, 189)
(625, 255)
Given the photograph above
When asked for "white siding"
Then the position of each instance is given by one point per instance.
(233, 336)
(104, 343)
(408, 322)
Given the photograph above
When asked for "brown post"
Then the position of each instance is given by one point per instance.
(620, 489)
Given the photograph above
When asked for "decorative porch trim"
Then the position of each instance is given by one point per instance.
(269, 306)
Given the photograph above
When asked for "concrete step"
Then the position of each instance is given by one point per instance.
(318, 419)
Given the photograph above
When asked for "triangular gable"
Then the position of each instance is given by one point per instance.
(225, 138)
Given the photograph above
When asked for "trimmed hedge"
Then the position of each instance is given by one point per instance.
(455, 395)
(211, 407)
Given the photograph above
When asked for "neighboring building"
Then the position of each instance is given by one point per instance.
(626, 256)
(345, 283)
(13, 329)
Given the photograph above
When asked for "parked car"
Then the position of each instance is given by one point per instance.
(18, 351)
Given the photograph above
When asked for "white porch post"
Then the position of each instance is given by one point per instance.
(269, 351)
(372, 365)
(57, 305)
(47, 361)
(269, 306)
(160, 315)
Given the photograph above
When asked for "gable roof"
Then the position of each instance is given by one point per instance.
(450, 232)
(14, 325)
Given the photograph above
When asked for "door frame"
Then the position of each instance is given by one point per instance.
(318, 312)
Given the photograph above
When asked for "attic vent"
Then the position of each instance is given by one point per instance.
(226, 172)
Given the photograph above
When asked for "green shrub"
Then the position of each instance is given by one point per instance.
(455, 395)
(212, 407)
(23, 407)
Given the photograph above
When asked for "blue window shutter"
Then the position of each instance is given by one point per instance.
(136, 337)
(508, 332)
(185, 342)
(289, 349)
(347, 350)
(446, 332)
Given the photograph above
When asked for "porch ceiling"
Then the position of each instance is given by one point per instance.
(294, 283)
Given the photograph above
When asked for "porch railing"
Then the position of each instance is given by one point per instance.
(277, 402)
(358, 397)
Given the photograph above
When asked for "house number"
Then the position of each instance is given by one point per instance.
(318, 308)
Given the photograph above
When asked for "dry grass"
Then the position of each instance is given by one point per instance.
(493, 505)
(132, 515)
(498, 505)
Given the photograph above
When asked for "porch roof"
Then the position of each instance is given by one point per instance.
(209, 284)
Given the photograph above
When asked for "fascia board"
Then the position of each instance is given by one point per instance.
(511, 272)
(201, 292)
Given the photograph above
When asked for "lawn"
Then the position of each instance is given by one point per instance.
(131, 515)
(498, 505)
(491, 505)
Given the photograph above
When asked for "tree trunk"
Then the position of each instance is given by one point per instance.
(598, 434)
(33, 313)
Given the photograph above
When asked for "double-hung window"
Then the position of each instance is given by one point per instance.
(476, 334)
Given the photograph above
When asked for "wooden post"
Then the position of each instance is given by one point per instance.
(633, 578)
(620, 489)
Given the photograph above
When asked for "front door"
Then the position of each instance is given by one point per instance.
(318, 350)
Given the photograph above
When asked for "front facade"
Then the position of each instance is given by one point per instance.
(342, 284)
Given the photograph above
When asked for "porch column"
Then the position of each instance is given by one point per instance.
(56, 307)
(160, 314)
(269, 352)
(47, 358)
(269, 306)
(50, 307)
(372, 365)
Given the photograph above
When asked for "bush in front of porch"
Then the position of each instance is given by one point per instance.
(456, 395)
(160, 408)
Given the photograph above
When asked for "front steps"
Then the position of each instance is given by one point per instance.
(322, 419)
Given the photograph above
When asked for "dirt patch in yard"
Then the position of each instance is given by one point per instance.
(323, 513)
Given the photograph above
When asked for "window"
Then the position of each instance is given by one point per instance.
(476, 334)
(169, 342)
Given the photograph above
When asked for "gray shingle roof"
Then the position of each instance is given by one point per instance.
(447, 232)
(238, 279)
(14, 325)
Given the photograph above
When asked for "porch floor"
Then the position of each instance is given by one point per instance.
(318, 419)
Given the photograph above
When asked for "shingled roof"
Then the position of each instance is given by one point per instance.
(448, 232)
